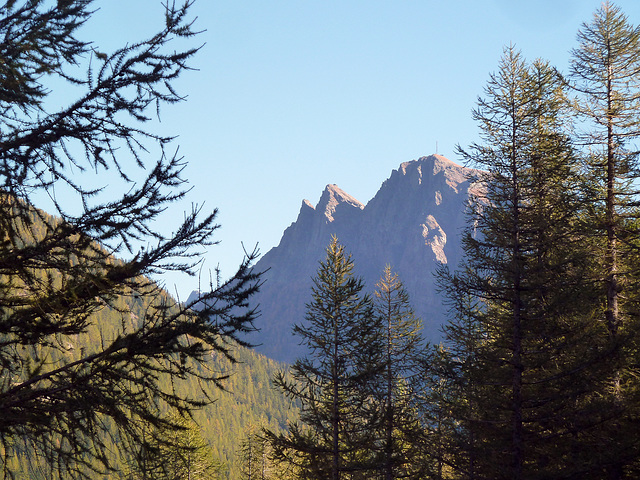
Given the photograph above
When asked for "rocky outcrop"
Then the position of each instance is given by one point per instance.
(413, 223)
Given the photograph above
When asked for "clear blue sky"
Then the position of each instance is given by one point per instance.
(293, 95)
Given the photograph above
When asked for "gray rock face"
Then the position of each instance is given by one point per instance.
(413, 223)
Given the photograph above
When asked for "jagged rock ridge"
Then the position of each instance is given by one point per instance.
(413, 223)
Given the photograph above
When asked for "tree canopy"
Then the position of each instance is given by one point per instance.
(334, 383)
(59, 272)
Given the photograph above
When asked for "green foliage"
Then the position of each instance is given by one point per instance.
(248, 399)
(534, 376)
(93, 353)
(360, 384)
(400, 436)
(253, 454)
(181, 453)
(605, 75)
(104, 375)
(335, 382)
(257, 461)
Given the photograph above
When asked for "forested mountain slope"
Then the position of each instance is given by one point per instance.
(246, 401)
(250, 402)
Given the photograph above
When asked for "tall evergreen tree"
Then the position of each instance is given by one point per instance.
(402, 357)
(72, 116)
(334, 383)
(452, 396)
(605, 71)
(605, 74)
(526, 311)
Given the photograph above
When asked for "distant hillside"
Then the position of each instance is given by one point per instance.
(249, 401)
(413, 223)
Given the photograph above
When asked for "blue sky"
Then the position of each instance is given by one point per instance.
(292, 95)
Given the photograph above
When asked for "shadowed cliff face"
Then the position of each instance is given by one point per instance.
(413, 223)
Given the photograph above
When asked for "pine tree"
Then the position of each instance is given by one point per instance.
(254, 457)
(520, 299)
(605, 74)
(72, 116)
(605, 71)
(452, 396)
(402, 356)
(187, 455)
(334, 383)
(181, 453)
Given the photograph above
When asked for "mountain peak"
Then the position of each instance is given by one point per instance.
(433, 165)
(412, 223)
(435, 161)
(332, 197)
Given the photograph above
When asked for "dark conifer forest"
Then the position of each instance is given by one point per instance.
(104, 375)
(537, 374)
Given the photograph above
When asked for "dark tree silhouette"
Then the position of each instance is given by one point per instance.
(526, 354)
(334, 383)
(59, 274)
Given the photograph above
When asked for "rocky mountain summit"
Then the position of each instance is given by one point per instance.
(413, 223)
